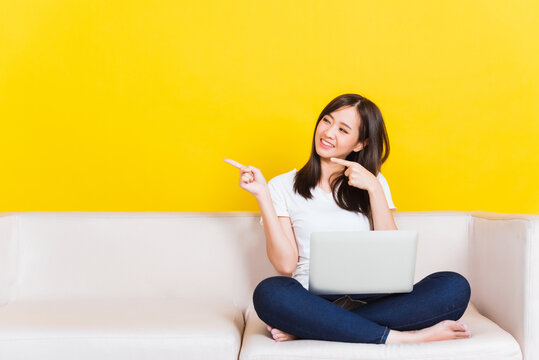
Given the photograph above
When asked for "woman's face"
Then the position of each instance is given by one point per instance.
(341, 130)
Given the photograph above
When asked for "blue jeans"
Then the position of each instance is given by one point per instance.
(283, 303)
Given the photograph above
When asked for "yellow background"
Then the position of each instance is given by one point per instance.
(132, 105)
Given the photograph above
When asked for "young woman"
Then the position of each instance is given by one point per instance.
(341, 189)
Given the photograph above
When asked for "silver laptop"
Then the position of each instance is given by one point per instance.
(362, 262)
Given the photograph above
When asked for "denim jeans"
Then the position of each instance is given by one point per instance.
(283, 303)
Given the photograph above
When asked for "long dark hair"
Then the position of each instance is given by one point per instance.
(371, 157)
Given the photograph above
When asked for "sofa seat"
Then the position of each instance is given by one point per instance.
(488, 341)
(120, 329)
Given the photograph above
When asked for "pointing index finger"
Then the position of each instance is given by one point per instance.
(234, 163)
(343, 162)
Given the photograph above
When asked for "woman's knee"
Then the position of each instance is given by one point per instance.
(267, 289)
(455, 283)
(269, 297)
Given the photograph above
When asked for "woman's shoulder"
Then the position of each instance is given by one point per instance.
(382, 178)
(284, 179)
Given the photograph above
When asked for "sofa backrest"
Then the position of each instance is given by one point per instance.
(442, 240)
(8, 255)
(207, 256)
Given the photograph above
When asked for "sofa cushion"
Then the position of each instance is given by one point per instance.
(488, 341)
(120, 329)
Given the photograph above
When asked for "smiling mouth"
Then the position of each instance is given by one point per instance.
(326, 144)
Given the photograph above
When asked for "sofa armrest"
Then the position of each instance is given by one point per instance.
(504, 271)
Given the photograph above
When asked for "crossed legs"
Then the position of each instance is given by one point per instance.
(432, 308)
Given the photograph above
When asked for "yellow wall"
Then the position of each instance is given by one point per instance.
(132, 105)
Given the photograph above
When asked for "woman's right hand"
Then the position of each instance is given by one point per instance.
(251, 178)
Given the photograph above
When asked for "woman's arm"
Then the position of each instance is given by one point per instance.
(381, 215)
(281, 244)
(362, 178)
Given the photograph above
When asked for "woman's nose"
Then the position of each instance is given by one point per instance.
(330, 133)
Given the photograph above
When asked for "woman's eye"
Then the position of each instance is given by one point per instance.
(326, 120)
(344, 131)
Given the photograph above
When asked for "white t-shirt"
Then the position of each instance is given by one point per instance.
(321, 213)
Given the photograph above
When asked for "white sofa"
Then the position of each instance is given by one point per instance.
(165, 285)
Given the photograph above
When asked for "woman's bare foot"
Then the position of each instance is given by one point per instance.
(279, 335)
(444, 330)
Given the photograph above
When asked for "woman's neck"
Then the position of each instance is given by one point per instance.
(328, 168)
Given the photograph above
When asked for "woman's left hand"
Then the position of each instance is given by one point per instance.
(357, 175)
